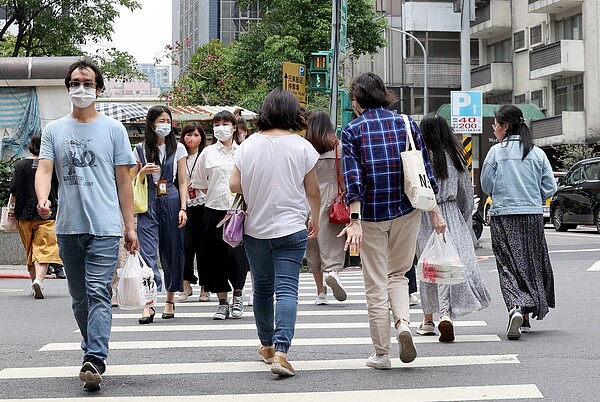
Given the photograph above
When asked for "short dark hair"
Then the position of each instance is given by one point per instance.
(188, 128)
(85, 64)
(320, 132)
(281, 109)
(34, 144)
(369, 91)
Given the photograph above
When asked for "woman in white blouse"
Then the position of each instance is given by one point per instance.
(224, 264)
(161, 159)
(275, 170)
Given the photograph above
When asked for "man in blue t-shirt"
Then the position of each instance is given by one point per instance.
(92, 157)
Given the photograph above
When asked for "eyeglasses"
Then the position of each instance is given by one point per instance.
(86, 84)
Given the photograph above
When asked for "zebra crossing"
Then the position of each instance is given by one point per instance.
(330, 342)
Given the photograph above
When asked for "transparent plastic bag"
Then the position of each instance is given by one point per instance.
(440, 263)
(136, 287)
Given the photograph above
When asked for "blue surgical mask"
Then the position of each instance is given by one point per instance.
(163, 129)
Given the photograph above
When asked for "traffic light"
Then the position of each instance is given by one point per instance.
(319, 71)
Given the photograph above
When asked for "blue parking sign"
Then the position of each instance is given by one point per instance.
(467, 111)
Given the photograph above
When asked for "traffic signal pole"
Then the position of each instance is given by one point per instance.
(335, 42)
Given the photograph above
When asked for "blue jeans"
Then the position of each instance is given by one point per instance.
(275, 266)
(89, 262)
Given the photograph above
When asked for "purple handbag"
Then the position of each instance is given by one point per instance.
(233, 223)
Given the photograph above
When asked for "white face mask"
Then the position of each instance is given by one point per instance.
(223, 133)
(82, 97)
(162, 129)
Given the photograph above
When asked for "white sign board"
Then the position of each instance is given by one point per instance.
(467, 111)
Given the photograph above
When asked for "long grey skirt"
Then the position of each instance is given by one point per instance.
(524, 268)
(463, 298)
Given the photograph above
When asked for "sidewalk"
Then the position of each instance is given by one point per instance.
(13, 272)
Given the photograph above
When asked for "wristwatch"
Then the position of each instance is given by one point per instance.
(354, 216)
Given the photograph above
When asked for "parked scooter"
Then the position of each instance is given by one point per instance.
(477, 219)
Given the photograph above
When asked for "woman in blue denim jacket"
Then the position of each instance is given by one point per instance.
(518, 177)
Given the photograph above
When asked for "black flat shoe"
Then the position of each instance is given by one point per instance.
(168, 316)
(147, 319)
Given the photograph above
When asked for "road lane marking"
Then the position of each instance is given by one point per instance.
(307, 313)
(332, 302)
(595, 267)
(11, 290)
(258, 366)
(474, 393)
(240, 327)
(211, 343)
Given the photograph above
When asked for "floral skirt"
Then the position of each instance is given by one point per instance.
(524, 268)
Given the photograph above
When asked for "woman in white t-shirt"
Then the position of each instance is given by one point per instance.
(194, 140)
(275, 170)
(160, 160)
(226, 267)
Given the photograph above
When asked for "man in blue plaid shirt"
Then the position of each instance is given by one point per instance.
(383, 221)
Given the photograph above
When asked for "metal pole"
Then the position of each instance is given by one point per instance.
(465, 46)
(425, 88)
(335, 45)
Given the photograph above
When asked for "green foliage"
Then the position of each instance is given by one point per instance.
(245, 71)
(117, 65)
(569, 154)
(310, 22)
(60, 27)
(208, 79)
(6, 171)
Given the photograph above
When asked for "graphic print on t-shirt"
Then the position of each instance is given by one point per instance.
(77, 153)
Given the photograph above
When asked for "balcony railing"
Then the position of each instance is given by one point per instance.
(552, 6)
(567, 128)
(492, 78)
(491, 20)
(562, 59)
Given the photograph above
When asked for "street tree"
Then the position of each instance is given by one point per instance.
(310, 22)
(61, 28)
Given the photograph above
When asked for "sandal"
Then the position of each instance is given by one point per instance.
(147, 319)
(168, 316)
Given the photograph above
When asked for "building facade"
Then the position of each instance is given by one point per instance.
(544, 52)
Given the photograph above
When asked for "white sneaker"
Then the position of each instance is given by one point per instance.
(36, 289)
(413, 299)
(379, 363)
(333, 281)
(408, 351)
(321, 299)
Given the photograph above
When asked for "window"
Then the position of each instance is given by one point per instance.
(519, 40)
(536, 35)
(574, 177)
(592, 171)
(437, 44)
(520, 99)
(500, 52)
(537, 98)
(569, 28)
(568, 94)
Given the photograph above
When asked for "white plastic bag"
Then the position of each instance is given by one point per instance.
(136, 287)
(440, 263)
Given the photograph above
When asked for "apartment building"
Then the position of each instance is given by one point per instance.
(543, 52)
(200, 21)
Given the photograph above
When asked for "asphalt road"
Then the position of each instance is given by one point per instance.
(195, 357)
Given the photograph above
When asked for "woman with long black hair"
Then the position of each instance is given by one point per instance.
(518, 177)
(160, 160)
(455, 200)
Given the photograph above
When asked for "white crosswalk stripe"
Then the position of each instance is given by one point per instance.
(345, 320)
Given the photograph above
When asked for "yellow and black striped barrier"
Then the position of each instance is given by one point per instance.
(468, 145)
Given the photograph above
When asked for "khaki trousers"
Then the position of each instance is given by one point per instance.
(387, 254)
